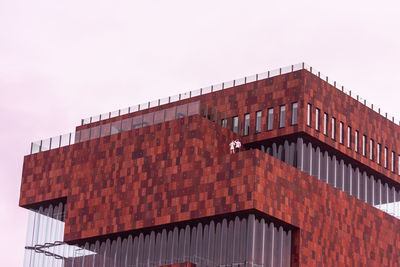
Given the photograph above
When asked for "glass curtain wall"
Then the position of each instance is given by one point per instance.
(337, 172)
(238, 241)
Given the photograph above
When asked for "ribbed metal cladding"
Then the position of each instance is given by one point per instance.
(343, 175)
(246, 241)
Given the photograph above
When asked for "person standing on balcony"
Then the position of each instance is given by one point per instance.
(238, 144)
(232, 147)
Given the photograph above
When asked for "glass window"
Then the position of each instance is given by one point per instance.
(378, 153)
(348, 136)
(385, 158)
(282, 110)
(341, 133)
(317, 112)
(393, 161)
(224, 123)
(364, 145)
(371, 149)
(309, 114)
(356, 141)
(325, 123)
(294, 113)
(270, 119)
(236, 124)
(258, 121)
(246, 124)
(333, 128)
(398, 164)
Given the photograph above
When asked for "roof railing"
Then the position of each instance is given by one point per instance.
(233, 83)
(67, 139)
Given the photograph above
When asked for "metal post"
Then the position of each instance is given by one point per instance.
(302, 65)
(223, 85)
(190, 94)
(59, 143)
(280, 71)
(212, 88)
(319, 74)
(69, 141)
(245, 80)
(148, 104)
(158, 101)
(179, 96)
(234, 82)
(201, 91)
(268, 74)
(51, 139)
(169, 99)
(31, 147)
(40, 146)
(292, 68)
(109, 114)
(256, 77)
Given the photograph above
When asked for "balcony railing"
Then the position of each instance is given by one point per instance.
(111, 128)
(131, 123)
(236, 82)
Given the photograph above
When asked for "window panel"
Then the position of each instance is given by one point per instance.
(348, 136)
(371, 149)
(282, 110)
(246, 124)
(224, 123)
(364, 145)
(235, 124)
(378, 153)
(333, 128)
(258, 121)
(341, 132)
(294, 113)
(393, 161)
(309, 114)
(317, 112)
(385, 158)
(356, 134)
(325, 123)
(270, 119)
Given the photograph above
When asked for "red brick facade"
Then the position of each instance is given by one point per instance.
(181, 170)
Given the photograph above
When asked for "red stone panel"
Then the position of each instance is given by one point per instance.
(181, 170)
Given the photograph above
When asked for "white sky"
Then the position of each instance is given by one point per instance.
(61, 61)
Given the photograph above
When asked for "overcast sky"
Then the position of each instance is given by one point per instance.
(61, 61)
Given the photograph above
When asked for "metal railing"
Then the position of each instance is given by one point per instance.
(116, 127)
(71, 138)
(233, 83)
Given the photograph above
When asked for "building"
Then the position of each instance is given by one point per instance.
(316, 182)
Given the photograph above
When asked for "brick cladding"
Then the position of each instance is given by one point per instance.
(179, 170)
(335, 228)
(303, 87)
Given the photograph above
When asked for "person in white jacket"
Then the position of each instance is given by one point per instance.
(238, 144)
(232, 147)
